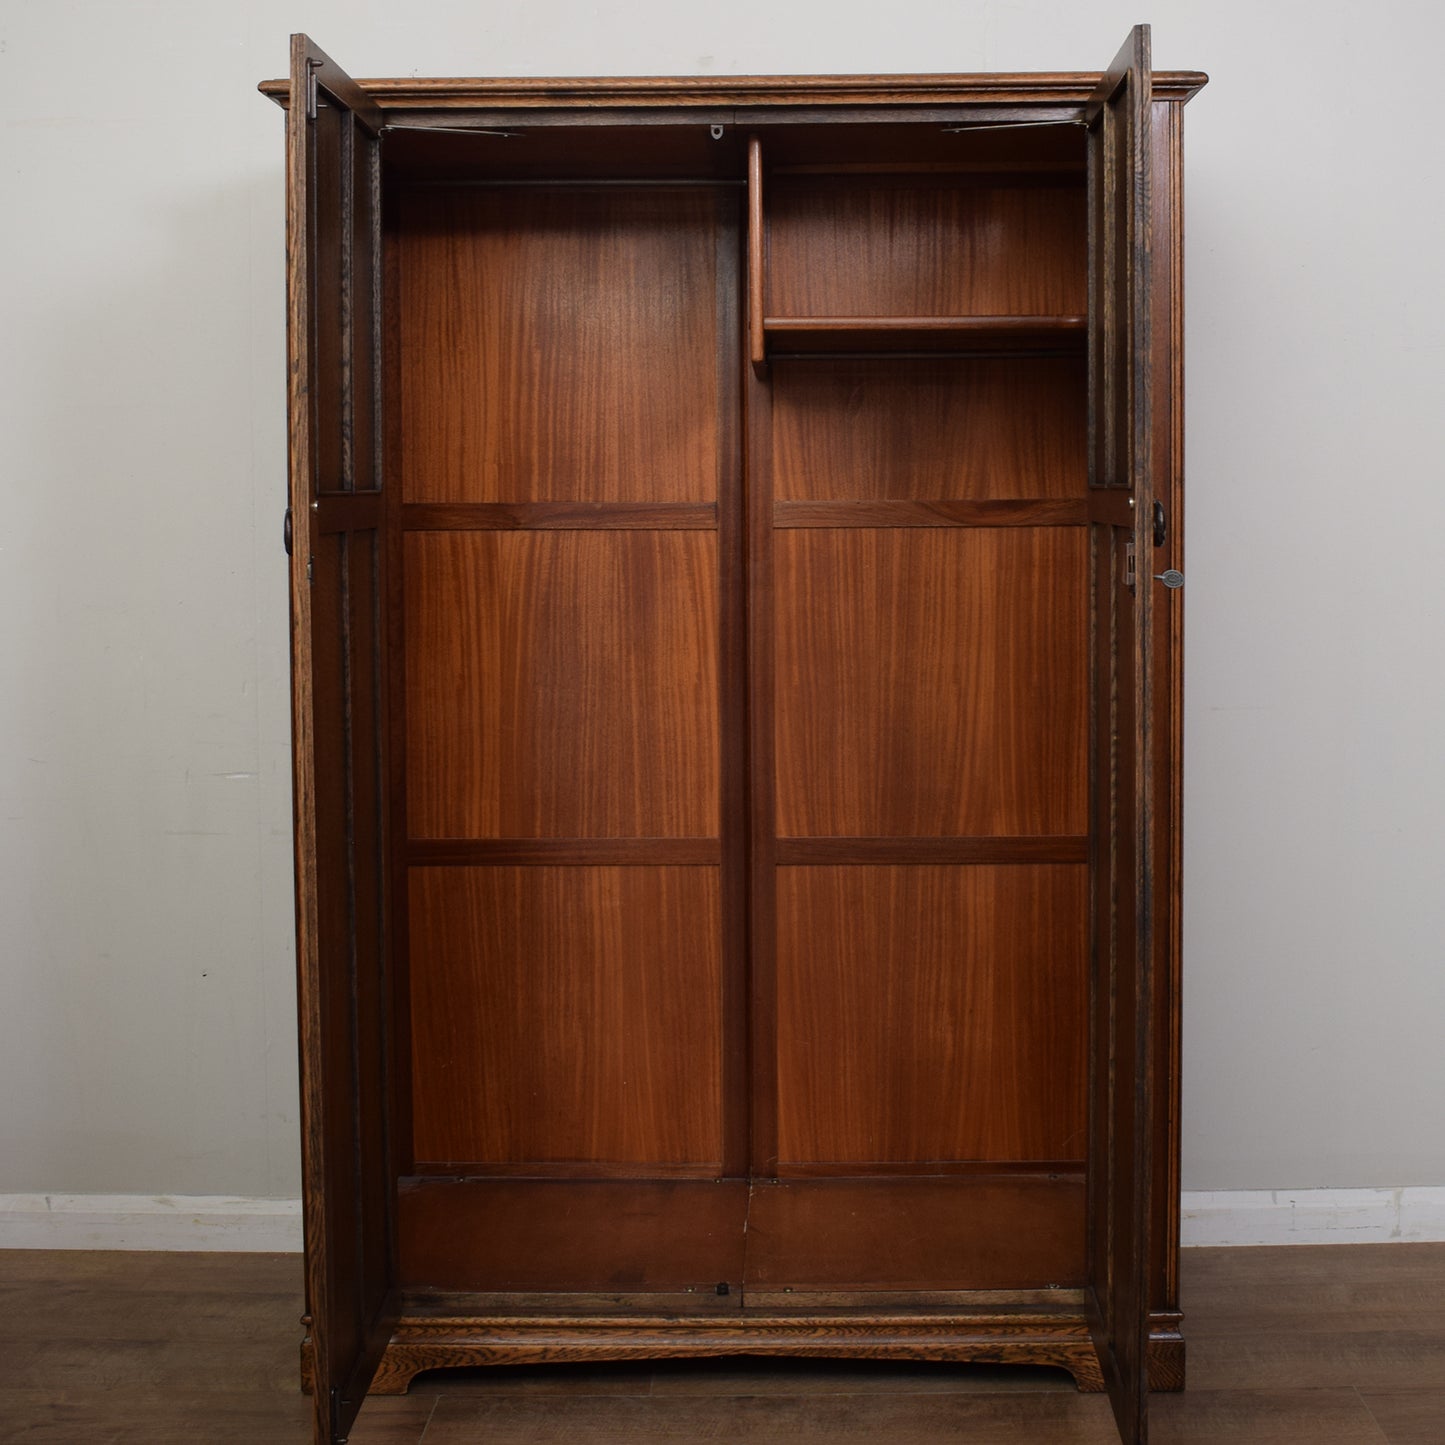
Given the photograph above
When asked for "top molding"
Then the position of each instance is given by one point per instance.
(749, 90)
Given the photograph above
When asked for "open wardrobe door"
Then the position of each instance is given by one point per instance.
(1120, 509)
(337, 560)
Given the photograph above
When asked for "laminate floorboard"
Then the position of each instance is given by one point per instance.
(1307, 1345)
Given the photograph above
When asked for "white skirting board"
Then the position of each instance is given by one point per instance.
(1312, 1216)
(149, 1221)
(177, 1221)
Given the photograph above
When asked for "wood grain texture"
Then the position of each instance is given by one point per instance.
(1298, 1292)
(891, 430)
(930, 1013)
(520, 1234)
(910, 247)
(562, 684)
(528, 318)
(566, 1015)
(830, 1419)
(930, 681)
(924, 1234)
(1408, 1417)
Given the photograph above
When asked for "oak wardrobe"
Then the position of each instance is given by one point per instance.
(735, 534)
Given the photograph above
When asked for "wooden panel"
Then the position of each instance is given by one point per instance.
(572, 1235)
(930, 682)
(562, 684)
(921, 1234)
(870, 430)
(924, 248)
(566, 1015)
(931, 1013)
(530, 320)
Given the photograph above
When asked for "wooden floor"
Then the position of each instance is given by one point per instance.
(1320, 1346)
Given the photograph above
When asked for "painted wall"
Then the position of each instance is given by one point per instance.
(146, 1033)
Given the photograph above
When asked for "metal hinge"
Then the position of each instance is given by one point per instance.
(338, 1436)
(1130, 567)
(312, 66)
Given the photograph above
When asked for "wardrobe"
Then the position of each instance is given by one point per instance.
(735, 534)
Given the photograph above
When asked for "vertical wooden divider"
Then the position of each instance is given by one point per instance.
(763, 981)
(393, 500)
(732, 689)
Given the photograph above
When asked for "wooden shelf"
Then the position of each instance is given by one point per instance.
(807, 335)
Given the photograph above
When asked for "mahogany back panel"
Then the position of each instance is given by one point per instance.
(557, 344)
(930, 681)
(567, 1016)
(562, 684)
(930, 1014)
(569, 553)
(889, 428)
(900, 246)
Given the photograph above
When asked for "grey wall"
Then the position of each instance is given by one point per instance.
(146, 1033)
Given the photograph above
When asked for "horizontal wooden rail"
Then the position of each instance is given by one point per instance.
(559, 516)
(1031, 848)
(561, 852)
(1010, 512)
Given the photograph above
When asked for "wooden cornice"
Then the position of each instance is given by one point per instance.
(748, 90)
